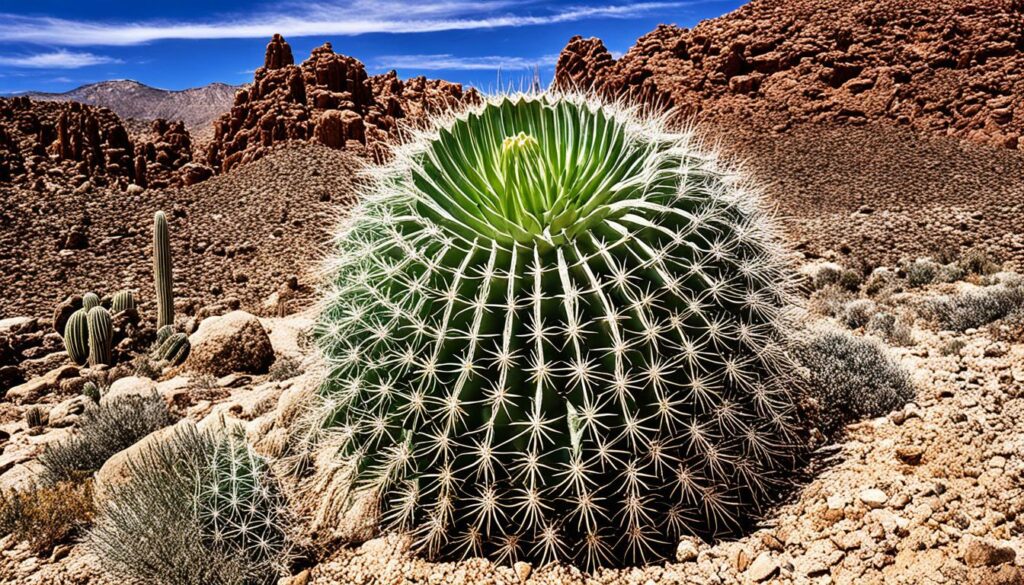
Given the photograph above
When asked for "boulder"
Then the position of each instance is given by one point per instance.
(32, 390)
(235, 342)
(116, 470)
(130, 386)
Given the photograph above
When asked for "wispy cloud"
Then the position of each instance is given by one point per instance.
(59, 59)
(453, 63)
(319, 19)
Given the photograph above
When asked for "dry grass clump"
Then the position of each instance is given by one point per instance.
(890, 328)
(858, 312)
(969, 310)
(46, 515)
(199, 508)
(851, 377)
(103, 431)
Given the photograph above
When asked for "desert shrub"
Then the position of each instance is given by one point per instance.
(890, 328)
(858, 312)
(554, 331)
(922, 271)
(829, 301)
(851, 377)
(818, 275)
(952, 347)
(977, 261)
(1010, 328)
(46, 515)
(143, 365)
(103, 430)
(880, 282)
(851, 280)
(285, 368)
(198, 508)
(972, 309)
(951, 272)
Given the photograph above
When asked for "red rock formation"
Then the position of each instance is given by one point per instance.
(68, 143)
(329, 99)
(279, 53)
(951, 67)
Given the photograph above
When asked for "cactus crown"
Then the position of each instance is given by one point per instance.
(554, 330)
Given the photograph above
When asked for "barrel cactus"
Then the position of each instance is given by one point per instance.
(76, 337)
(122, 301)
(101, 336)
(556, 329)
(90, 300)
(173, 349)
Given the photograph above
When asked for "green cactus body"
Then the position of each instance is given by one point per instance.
(90, 300)
(163, 333)
(555, 331)
(122, 302)
(101, 336)
(76, 337)
(162, 271)
(174, 349)
(34, 417)
(240, 506)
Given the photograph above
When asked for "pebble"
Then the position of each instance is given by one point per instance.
(763, 567)
(873, 498)
(983, 553)
(687, 550)
(523, 570)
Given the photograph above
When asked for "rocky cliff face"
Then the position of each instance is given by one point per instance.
(74, 145)
(328, 99)
(948, 67)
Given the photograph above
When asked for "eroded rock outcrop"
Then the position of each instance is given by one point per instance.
(329, 99)
(948, 67)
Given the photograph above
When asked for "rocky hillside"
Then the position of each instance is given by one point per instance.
(197, 107)
(328, 99)
(944, 67)
(236, 238)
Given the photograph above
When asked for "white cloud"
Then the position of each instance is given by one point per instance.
(453, 63)
(59, 59)
(317, 19)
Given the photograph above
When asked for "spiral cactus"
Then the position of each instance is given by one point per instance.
(241, 509)
(555, 330)
(122, 302)
(101, 336)
(162, 276)
(76, 337)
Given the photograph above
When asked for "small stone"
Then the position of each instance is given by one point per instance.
(741, 560)
(687, 550)
(60, 552)
(911, 455)
(523, 570)
(300, 579)
(983, 553)
(764, 567)
(873, 498)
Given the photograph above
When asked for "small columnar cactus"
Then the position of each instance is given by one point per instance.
(162, 271)
(173, 350)
(556, 329)
(163, 333)
(34, 417)
(101, 336)
(76, 337)
(90, 300)
(122, 301)
(91, 391)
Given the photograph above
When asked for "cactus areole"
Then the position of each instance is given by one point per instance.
(555, 331)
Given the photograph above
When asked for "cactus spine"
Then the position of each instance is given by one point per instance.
(555, 330)
(122, 302)
(162, 271)
(101, 336)
(76, 337)
(90, 300)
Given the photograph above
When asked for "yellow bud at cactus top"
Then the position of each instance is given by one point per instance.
(526, 195)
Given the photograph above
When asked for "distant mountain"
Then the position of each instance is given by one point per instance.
(197, 106)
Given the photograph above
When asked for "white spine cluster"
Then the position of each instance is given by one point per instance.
(588, 384)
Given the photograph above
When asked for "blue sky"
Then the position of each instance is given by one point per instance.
(56, 45)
